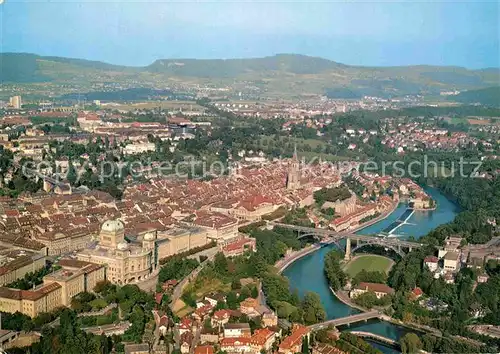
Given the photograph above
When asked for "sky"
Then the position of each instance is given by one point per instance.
(369, 33)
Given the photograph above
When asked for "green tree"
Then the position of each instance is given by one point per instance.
(305, 345)
(313, 311)
(410, 343)
(333, 270)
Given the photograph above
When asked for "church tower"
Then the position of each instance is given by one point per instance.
(293, 178)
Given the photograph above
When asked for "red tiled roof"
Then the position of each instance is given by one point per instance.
(376, 287)
(417, 291)
(431, 259)
(295, 338)
(234, 342)
(204, 349)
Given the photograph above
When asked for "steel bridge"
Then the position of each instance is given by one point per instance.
(330, 236)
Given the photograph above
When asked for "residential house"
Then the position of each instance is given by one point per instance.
(220, 318)
(214, 299)
(209, 335)
(451, 261)
(185, 342)
(380, 290)
(239, 247)
(236, 345)
(237, 330)
(269, 319)
(293, 343)
(263, 339)
(249, 307)
(431, 262)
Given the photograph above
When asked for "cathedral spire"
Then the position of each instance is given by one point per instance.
(293, 177)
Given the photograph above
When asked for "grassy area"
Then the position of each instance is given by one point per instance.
(368, 262)
(202, 287)
(181, 309)
(457, 120)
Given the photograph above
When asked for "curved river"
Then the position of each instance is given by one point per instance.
(306, 274)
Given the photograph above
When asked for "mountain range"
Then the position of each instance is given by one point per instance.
(283, 75)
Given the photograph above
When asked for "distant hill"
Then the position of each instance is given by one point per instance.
(278, 75)
(488, 96)
(136, 94)
(291, 63)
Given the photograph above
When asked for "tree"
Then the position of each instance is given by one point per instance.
(220, 263)
(305, 345)
(313, 311)
(235, 284)
(71, 174)
(232, 300)
(410, 343)
(333, 270)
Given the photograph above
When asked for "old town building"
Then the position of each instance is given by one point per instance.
(126, 262)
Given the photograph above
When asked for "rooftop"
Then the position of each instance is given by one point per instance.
(375, 287)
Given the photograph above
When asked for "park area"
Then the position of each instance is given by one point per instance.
(370, 262)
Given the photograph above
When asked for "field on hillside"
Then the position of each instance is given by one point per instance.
(167, 105)
(369, 262)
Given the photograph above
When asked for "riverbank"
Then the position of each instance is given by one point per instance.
(425, 209)
(343, 297)
(284, 263)
(379, 218)
(306, 273)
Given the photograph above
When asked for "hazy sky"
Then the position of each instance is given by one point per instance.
(464, 33)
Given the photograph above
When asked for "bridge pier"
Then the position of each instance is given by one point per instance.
(347, 249)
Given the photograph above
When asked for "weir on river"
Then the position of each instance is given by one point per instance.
(306, 274)
(402, 220)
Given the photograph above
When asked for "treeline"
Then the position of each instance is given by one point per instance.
(480, 197)
(370, 276)
(288, 305)
(369, 300)
(331, 194)
(350, 343)
(32, 279)
(273, 244)
(299, 217)
(68, 338)
(333, 270)
(177, 268)
(347, 342)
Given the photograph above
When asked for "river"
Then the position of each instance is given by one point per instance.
(306, 274)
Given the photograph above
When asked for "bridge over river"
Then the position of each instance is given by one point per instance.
(330, 236)
(376, 337)
(365, 316)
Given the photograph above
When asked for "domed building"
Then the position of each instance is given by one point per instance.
(126, 262)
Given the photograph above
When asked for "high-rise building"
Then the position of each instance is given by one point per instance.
(293, 178)
(15, 102)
